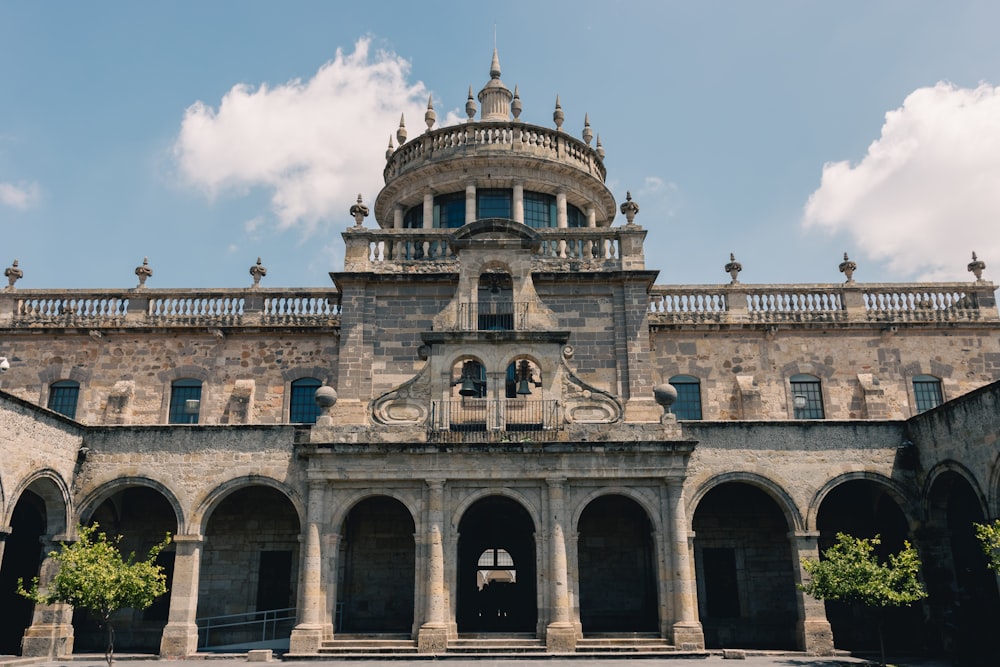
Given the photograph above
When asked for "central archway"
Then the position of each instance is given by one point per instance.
(497, 591)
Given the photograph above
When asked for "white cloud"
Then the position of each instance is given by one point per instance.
(928, 191)
(314, 144)
(20, 195)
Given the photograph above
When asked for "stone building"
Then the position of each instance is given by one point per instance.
(495, 428)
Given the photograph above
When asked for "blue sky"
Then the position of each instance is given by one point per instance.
(205, 134)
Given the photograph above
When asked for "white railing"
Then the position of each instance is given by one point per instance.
(232, 630)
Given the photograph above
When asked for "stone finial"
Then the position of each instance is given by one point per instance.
(588, 134)
(600, 148)
(665, 395)
(558, 116)
(143, 272)
(429, 115)
(733, 268)
(470, 106)
(401, 132)
(629, 208)
(359, 212)
(976, 266)
(390, 150)
(847, 267)
(495, 65)
(13, 274)
(515, 106)
(258, 271)
(326, 398)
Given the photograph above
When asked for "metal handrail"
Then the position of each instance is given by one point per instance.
(268, 620)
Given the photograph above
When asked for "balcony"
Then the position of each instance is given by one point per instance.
(494, 420)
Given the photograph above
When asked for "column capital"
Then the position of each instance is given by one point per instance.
(188, 539)
(804, 534)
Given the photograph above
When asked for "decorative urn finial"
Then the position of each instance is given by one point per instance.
(588, 134)
(401, 132)
(359, 212)
(847, 267)
(629, 209)
(665, 395)
(558, 116)
(430, 116)
(258, 271)
(143, 272)
(470, 106)
(13, 274)
(976, 266)
(733, 268)
(515, 105)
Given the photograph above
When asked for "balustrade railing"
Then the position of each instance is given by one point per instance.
(875, 302)
(493, 316)
(512, 415)
(154, 307)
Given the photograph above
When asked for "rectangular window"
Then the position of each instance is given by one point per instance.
(63, 397)
(807, 397)
(927, 392)
(493, 204)
(688, 403)
(539, 210)
(449, 211)
(185, 402)
(302, 408)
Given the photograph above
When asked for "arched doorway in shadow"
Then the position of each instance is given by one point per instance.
(143, 517)
(377, 568)
(864, 508)
(963, 590)
(743, 559)
(616, 559)
(22, 554)
(497, 591)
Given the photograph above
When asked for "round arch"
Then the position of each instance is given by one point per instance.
(48, 485)
(519, 498)
(777, 493)
(906, 501)
(945, 469)
(204, 508)
(93, 500)
(346, 504)
(648, 503)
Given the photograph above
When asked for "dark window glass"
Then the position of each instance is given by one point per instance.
(302, 408)
(63, 397)
(575, 217)
(539, 210)
(807, 397)
(927, 391)
(185, 401)
(414, 218)
(493, 204)
(688, 403)
(449, 210)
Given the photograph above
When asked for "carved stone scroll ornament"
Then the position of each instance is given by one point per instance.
(585, 403)
(406, 404)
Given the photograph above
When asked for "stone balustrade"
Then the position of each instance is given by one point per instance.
(169, 307)
(492, 137)
(856, 302)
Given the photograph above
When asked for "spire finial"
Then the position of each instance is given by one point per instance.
(495, 65)
(515, 106)
(389, 151)
(588, 134)
(600, 148)
(401, 132)
(430, 116)
(558, 116)
(470, 106)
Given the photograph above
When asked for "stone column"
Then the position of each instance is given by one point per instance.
(470, 202)
(560, 636)
(687, 630)
(517, 205)
(432, 637)
(428, 209)
(5, 532)
(562, 219)
(812, 628)
(180, 636)
(51, 631)
(308, 634)
(397, 217)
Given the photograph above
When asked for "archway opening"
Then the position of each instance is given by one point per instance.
(377, 568)
(863, 508)
(496, 534)
(22, 554)
(618, 590)
(143, 517)
(249, 570)
(746, 585)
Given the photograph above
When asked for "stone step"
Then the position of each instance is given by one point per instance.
(367, 645)
(492, 644)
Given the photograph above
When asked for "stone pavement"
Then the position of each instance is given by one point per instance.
(751, 659)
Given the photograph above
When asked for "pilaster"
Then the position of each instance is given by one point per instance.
(687, 629)
(180, 636)
(308, 634)
(812, 629)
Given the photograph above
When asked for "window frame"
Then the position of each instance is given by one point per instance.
(687, 382)
(810, 386)
(58, 392)
(303, 407)
(926, 381)
(181, 391)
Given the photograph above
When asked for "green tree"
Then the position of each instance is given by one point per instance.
(989, 535)
(850, 572)
(94, 576)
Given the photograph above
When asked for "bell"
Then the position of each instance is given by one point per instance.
(468, 388)
(523, 387)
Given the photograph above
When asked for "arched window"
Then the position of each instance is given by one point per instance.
(807, 396)
(927, 392)
(185, 401)
(471, 379)
(523, 376)
(302, 408)
(688, 403)
(63, 396)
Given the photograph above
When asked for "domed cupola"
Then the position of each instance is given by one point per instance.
(495, 97)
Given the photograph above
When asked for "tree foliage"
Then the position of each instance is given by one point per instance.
(989, 536)
(94, 576)
(850, 572)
